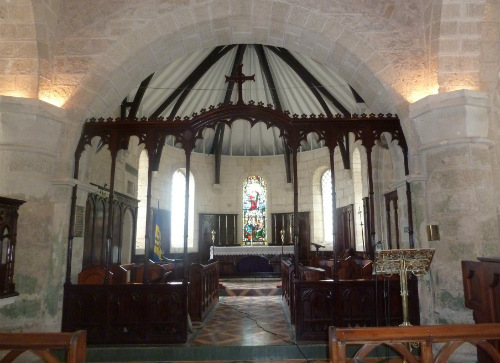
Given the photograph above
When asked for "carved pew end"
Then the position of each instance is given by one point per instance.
(44, 345)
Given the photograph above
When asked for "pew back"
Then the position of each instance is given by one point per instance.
(437, 342)
(44, 345)
(203, 289)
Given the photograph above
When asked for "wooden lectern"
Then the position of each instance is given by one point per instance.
(390, 262)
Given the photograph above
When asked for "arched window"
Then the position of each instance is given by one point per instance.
(178, 211)
(358, 199)
(326, 194)
(142, 195)
(254, 211)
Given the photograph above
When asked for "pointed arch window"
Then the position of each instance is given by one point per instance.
(142, 195)
(326, 194)
(254, 211)
(178, 211)
(358, 198)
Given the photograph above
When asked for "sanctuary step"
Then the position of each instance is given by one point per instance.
(226, 354)
(250, 287)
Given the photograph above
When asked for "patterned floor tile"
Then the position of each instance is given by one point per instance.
(250, 321)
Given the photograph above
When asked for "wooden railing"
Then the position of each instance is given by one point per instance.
(44, 346)
(431, 343)
(203, 289)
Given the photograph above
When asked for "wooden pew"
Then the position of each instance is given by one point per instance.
(156, 272)
(308, 273)
(95, 275)
(436, 342)
(325, 263)
(43, 345)
(203, 288)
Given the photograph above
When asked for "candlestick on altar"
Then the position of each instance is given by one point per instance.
(282, 240)
(213, 237)
(402, 262)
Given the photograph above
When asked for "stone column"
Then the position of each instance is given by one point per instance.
(458, 194)
(31, 135)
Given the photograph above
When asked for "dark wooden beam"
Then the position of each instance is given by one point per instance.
(304, 75)
(204, 66)
(315, 86)
(123, 107)
(134, 105)
(261, 54)
(343, 143)
(219, 131)
(357, 97)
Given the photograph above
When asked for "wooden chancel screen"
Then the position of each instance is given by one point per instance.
(94, 301)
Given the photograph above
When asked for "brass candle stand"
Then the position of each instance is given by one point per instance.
(213, 237)
(402, 262)
(282, 240)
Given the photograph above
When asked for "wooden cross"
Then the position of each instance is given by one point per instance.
(240, 78)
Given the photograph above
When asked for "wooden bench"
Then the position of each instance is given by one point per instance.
(43, 345)
(445, 339)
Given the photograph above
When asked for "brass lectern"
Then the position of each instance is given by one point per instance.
(390, 262)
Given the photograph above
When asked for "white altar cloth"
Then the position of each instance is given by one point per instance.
(250, 250)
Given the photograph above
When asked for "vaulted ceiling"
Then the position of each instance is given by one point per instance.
(288, 81)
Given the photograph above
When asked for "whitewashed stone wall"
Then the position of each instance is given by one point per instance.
(456, 193)
(87, 58)
(226, 197)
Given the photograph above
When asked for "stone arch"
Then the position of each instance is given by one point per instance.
(339, 48)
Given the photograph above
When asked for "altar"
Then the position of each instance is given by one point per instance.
(250, 260)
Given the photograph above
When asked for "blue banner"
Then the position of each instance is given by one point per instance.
(157, 247)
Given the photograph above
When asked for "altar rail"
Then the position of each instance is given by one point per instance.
(400, 338)
(127, 313)
(203, 289)
(342, 303)
(43, 345)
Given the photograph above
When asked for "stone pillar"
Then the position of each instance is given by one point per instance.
(31, 134)
(457, 192)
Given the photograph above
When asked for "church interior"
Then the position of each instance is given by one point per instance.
(229, 180)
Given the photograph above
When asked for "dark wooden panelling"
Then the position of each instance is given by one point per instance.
(344, 303)
(127, 313)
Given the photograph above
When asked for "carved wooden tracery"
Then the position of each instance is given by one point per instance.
(116, 133)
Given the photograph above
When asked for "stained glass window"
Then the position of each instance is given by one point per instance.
(254, 211)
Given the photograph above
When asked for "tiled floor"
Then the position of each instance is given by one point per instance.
(251, 315)
(253, 320)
